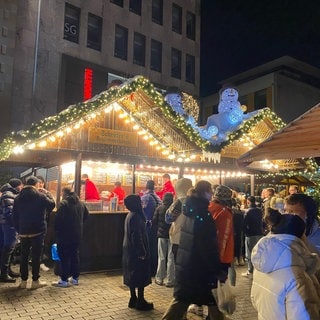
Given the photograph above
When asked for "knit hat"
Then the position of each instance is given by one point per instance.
(32, 181)
(223, 193)
(182, 186)
(133, 203)
(14, 182)
(150, 185)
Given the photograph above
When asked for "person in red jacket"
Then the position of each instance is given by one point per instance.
(120, 193)
(90, 190)
(167, 186)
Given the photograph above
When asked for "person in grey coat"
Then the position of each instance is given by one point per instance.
(136, 254)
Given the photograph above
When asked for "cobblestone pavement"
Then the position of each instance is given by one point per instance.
(99, 296)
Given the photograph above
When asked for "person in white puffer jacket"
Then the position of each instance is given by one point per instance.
(284, 283)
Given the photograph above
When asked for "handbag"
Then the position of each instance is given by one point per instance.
(226, 299)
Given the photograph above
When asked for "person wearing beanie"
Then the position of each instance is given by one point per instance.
(165, 256)
(136, 254)
(9, 191)
(221, 210)
(284, 283)
(150, 201)
(182, 186)
(253, 231)
(29, 218)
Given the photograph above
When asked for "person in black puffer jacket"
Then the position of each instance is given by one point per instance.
(29, 218)
(198, 264)
(165, 255)
(69, 219)
(9, 192)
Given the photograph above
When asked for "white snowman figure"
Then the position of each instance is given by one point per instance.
(230, 115)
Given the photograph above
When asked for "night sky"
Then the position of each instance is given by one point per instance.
(241, 34)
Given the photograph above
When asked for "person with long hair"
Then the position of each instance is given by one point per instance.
(284, 283)
(307, 209)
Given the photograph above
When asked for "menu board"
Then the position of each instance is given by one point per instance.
(113, 177)
(127, 179)
(98, 177)
(142, 180)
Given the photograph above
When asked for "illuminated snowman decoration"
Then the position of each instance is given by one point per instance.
(230, 115)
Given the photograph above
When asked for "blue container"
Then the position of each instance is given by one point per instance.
(54, 252)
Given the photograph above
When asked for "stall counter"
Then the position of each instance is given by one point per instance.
(101, 247)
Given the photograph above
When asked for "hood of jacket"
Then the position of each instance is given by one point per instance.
(72, 198)
(279, 251)
(7, 187)
(196, 207)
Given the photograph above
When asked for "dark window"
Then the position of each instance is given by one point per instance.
(156, 55)
(260, 99)
(94, 32)
(190, 68)
(176, 63)
(157, 11)
(121, 42)
(176, 18)
(139, 49)
(244, 100)
(71, 23)
(135, 6)
(117, 2)
(191, 26)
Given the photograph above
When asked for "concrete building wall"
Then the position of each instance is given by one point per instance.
(36, 60)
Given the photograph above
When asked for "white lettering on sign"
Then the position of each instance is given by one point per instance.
(70, 28)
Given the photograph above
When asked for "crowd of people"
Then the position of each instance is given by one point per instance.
(203, 232)
(189, 237)
(25, 209)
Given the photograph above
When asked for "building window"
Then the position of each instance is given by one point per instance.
(157, 11)
(191, 26)
(176, 63)
(121, 42)
(117, 2)
(190, 68)
(260, 99)
(139, 49)
(135, 6)
(71, 23)
(156, 56)
(176, 18)
(94, 32)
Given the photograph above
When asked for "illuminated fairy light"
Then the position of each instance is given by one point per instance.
(42, 143)
(18, 150)
(52, 138)
(136, 127)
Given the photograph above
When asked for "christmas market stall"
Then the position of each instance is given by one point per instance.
(130, 134)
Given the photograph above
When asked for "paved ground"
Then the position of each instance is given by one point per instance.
(99, 296)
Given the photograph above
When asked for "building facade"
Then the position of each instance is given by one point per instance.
(287, 86)
(57, 53)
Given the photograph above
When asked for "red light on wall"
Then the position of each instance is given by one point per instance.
(87, 84)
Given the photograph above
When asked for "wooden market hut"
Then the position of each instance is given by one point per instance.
(126, 133)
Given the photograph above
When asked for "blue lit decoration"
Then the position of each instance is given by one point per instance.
(229, 117)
